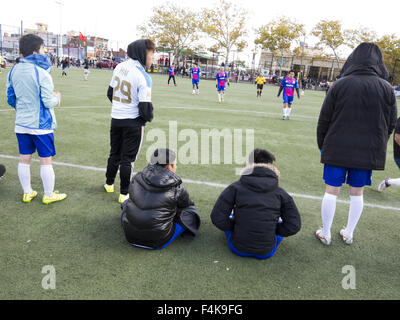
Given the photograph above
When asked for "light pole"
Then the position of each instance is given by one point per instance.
(60, 3)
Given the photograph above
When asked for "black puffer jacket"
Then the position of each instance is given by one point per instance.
(258, 203)
(156, 197)
(359, 113)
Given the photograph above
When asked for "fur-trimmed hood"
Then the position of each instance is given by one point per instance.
(249, 168)
(260, 177)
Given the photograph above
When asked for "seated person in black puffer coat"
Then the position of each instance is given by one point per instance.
(159, 208)
(255, 212)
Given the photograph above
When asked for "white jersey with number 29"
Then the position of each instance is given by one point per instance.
(131, 84)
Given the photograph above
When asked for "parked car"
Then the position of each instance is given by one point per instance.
(106, 64)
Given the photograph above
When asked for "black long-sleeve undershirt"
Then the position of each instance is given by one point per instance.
(110, 93)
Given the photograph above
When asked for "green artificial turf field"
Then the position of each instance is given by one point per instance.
(82, 237)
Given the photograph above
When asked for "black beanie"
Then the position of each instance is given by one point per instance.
(137, 51)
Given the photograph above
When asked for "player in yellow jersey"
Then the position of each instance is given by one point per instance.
(260, 80)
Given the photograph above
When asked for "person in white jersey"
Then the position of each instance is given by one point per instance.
(130, 94)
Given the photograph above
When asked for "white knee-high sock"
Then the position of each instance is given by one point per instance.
(328, 209)
(395, 182)
(24, 175)
(288, 111)
(48, 179)
(355, 211)
(284, 112)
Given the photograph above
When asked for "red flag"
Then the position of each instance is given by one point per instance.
(81, 37)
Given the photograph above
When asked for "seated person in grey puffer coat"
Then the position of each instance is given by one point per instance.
(159, 208)
(255, 213)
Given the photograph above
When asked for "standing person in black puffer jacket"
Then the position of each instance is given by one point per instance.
(255, 212)
(158, 209)
(357, 117)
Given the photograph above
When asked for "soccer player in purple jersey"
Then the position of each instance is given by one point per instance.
(288, 85)
(195, 78)
(221, 78)
(171, 72)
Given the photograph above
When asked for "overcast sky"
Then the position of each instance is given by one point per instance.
(118, 20)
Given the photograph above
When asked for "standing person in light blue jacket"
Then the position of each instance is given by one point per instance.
(30, 91)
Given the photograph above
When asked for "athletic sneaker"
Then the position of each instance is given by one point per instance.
(198, 92)
(283, 118)
(346, 239)
(175, 84)
(123, 197)
(383, 185)
(54, 197)
(287, 118)
(109, 188)
(28, 197)
(324, 240)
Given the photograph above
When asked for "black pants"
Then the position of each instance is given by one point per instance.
(125, 145)
(173, 77)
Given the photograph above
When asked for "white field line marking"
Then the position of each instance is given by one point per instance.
(63, 108)
(206, 183)
(59, 163)
(188, 108)
(236, 111)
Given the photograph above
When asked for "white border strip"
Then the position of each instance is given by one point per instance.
(206, 183)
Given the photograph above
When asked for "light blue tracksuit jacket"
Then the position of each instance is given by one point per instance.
(30, 91)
